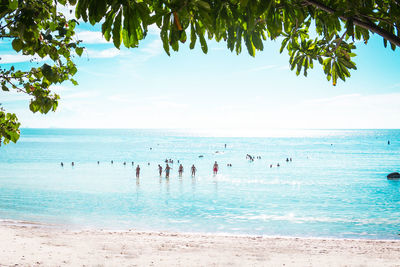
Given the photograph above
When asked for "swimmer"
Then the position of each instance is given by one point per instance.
(133, 163)
(72, 163)
(225, 145)
(388, 142)
(287, 159)
(62, 164)
(98, 162)
(167, 169)
(193, 170)
(148, 163)
(277, 165)
(124, 163)
(159, 169)
(270, 165)
(137, 171)
(112, 162)
(215, 168)
(180, 170)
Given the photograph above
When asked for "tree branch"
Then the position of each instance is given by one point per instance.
(340, 41)
(8, 79)
(366, 25)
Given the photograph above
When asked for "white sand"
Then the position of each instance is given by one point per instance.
(30, 245)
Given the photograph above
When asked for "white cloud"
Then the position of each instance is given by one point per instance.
(106, 53)
(132, 111)
(60, 88)
(154, 48)
(17, 58)
(267, 67)
(347, 111)
(81, 95)
(334, 100)
(68, 11)
(396, 85)
(286, 67)
(153, 29)
(13, 96)
(91, 37)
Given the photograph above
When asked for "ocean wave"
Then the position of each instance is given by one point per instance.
(270, 182)
(301, 219)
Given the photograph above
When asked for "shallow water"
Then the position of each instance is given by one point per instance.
(335, 186)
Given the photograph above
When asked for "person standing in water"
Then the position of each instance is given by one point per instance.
(137, 171)
(193, 170)
(180, 170)
(159, 169)
(167, 169)
(215, 168)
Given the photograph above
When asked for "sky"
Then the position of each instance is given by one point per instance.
(145, 88)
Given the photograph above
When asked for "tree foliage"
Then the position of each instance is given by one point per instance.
(35, 29)
(321, 32)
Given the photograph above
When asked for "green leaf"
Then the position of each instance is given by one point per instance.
(13, 4)
(79, 51)
(116, 31)
(243, 3)
(73, 82)
(17, 44)
(193, 36)
(284, 42)
(203, 4)
(203, 43)
(250, 46)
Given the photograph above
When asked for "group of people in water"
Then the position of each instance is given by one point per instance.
(251, 158)
(193, 168)
(168, 168)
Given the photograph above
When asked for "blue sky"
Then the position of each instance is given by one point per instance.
(144, 88)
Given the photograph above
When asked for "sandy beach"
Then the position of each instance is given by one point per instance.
(32, 245)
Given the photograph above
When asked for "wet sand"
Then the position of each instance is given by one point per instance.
(35, 245)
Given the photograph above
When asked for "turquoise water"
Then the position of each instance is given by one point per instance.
(335, 186)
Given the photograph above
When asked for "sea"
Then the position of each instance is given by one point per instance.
(335, 185)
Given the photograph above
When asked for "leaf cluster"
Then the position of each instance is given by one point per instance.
(9, 127)
(335, 24)
(35, 29)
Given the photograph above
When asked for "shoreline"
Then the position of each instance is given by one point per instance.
(35, 245)
(78, 228)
